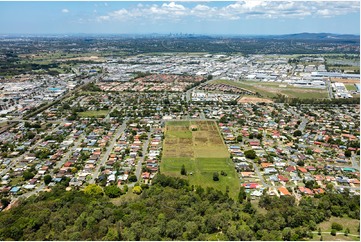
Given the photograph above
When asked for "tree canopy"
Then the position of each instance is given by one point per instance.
(170, 209)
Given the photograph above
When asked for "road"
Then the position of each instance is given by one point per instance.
(303, 124)
(338, 233)
(188, 92)
(304, 121)
(104, 159)
(138, 171)
(14, 161)
(202, 115)
(58, 165)
(329, 89)
(355, 162)
(41, 109)
(69, 152)
(259, 174)
(107, 118)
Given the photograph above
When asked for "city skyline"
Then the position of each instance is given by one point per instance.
(144, 17)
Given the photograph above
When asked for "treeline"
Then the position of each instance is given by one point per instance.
(15, 68)
(296, 101)
(170, 209)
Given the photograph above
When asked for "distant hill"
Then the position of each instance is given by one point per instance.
(317, 36)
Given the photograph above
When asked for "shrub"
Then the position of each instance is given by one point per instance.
(137, 190)
(215, 176)
(336, 226)
(183, 171)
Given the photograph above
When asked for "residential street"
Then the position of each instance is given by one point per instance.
(105, 156)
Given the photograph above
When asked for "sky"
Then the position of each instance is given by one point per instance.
(249, 17)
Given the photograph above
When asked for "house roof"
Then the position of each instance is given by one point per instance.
(305, 190)
(301, 169)
(284, 191)
(265, 165)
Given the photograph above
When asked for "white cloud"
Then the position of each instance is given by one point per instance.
(244, 9)
(65, 10)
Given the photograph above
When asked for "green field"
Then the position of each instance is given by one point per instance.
(352, 224)
(93, 114)
(271, 89)
(202, 152)
(350, 87)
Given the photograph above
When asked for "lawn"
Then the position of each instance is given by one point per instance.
(352, 224)
(329, 237)
(271, 89)
(202, 152)
(93, 114)
(350, 87)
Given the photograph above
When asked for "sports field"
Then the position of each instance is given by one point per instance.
(199, 147)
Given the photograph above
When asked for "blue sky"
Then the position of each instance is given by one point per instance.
(205, 17)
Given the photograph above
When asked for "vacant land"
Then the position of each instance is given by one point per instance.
(345, 81)
(199, 147)
(251, 99)
(271, 89)
(93, 114)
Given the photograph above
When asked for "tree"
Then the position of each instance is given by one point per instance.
(137, 190)
(259, 136)
(239, 138)
(250, 154)
(112, 235)
(132, 178)
(348, 153)
(5, 202)
(27, 175)
(183, 171)
(286, 234)
(215, 176)
(223, 173)
(112, 191)
(336, 226)
(333, 232)
(125, 188)
(47, 179)
(242, 194)
(93, 190)
(248, 208)
(297, 133)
